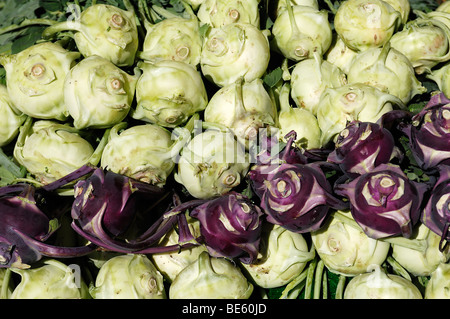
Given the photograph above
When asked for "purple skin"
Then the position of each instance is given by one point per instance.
(230, 226)
(361, 147)
(24, 229)
(429, 133)
(384, 202)
(436, 215)
(298, 197)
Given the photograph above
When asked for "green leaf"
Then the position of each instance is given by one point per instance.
(273, 77)
(9, 171)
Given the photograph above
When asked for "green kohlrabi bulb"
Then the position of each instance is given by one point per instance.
(35, 79)
(144, 152)
(233, 51)
(364, 24)
(52, 280)
(243, 107)
(299, 31)
(12, 119)
(129, 276)
(50, 150)
(387, 69)
(438, 287)
(210, 278)
(173, 38)
(102, 30)
(347, 250)
(168, 93)
(212, 164)
(377, 284)
(98, 94)
(283, 256)
(219, 13)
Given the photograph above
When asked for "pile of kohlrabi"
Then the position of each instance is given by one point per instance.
(225, 149)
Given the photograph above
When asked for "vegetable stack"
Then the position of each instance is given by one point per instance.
(224, 149)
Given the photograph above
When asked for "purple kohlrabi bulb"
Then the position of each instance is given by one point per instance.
(384, 202)
(298, 197)
(362, 146)
(429, 133)
(436, 215)
(230, 226)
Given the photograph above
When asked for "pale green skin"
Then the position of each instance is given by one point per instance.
(281, 4)
(52, 280)
(243, 107)
(340, 54)
(364, 24)
(444, 7)
(420, 263)
(219, 13)
(174, 38)
(168, 93)
(310, 77)
(98, 94)
(51, 150)
(35, 79)
(212, 164)
(11, 119)
(7, 291)
(357, 101)
(233, 51)
(99, 32)
(170, 264)
(402, 6)
(298, 119)
(210, 278)
(299, 35)
(377, 284)
(438, 287)
(387, 69)
(144, 152)
(128, 276)
(425, 42)
(441, 77)
(347, 250)
(282, 257)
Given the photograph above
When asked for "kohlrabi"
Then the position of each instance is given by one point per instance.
(243, 107)
(168, 93)
(384, 201)
(219, 13)
(340, 54)
(298, 119)
(377, 284)
(361, 102)
(128, 276)
(387, 69)
(98, 94)
(425, 42)
(231, 226)
(345, 249)
(51, 280)
(283, 255)
(421, 263)
(310, 77)
(212, 164)
(50, 150)
(364, 24)
(428, 133)
(145, 152)
(173, 38)
(300, 30)
(438, 287)
(170, 264)
(12, 119)
(35, 79)
(233, 51)
(210, 278)
(103, 30)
